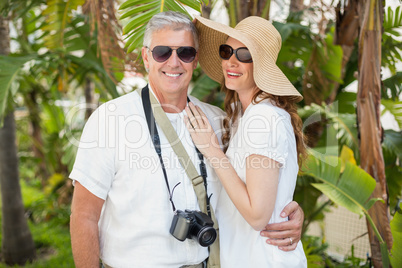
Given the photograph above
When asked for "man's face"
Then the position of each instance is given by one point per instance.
(172, 76)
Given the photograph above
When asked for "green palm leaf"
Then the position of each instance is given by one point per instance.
(90, 64)
(392, 151)
(139, 12)
(347, 130)
(391, 45)
(344, 125)
(9, 69)
(351, 188)
(137, 9)
(396, 229)
(77, 36)
(203, 87)
(392, 86)
(395, 108)
(392, 143)
(139, 20)
(206, 89)
(58, 15)
(392, 21)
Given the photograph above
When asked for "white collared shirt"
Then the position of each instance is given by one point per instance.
(117, 162)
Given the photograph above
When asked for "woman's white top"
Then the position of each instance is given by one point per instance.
(264, 129)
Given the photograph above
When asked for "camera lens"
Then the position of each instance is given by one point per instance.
(206, 236)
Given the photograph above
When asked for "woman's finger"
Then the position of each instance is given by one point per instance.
(202, 114)
(189, 125)
(197, 115)
(191, 118)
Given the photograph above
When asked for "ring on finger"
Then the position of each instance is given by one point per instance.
(291, 241)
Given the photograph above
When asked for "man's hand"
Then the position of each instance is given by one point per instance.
(286, 234)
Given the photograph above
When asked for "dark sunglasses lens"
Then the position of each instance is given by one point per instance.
(161, 53)
(243, 55)
(225, 52)
(186, 54)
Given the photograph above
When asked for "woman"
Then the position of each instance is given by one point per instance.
(263, 139)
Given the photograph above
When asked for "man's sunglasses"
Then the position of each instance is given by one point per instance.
(242, 53)
(163, 53)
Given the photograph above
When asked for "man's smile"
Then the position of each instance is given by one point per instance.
(172, 74)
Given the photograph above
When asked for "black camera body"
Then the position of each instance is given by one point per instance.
(193, 224)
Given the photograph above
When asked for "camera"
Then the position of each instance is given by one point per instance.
(193, 224)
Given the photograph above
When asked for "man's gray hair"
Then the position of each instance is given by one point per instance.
(172, 20)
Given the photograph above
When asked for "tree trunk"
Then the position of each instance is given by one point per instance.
(17, 245)
(368, 114)
(89, 98)
(347, 30)
(296, 5)
(206, 9)
(36, 132)
(241, 9)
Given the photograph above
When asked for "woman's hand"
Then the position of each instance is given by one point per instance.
(201, 131)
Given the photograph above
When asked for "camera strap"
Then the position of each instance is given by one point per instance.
(153, 131)
(199, 182)
(177, 146)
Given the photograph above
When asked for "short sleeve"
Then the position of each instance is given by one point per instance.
(94, 163)
(264, 133)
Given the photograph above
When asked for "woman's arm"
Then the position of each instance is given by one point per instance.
(254, 200)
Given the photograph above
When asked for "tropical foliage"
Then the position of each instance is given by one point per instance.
(341, 179)
(396, 226)
(139, 12)
(69, 50)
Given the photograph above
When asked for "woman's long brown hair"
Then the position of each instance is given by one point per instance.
(233, 106)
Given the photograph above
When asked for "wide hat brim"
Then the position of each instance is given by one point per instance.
(263, 42)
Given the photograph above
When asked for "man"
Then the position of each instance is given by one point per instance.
(121, 211)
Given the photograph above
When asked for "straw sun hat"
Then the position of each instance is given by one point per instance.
(263, 42)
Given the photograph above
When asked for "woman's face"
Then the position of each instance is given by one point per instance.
(238, 75)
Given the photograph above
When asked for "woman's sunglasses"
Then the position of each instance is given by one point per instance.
(242, 53)
(163, 53)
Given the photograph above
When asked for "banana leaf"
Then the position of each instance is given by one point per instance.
(395, 108)
(58, 15)
(351, 188)
(9, 68)
(396, 229)
(136, 14)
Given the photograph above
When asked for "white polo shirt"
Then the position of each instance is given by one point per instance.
(116, 161)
